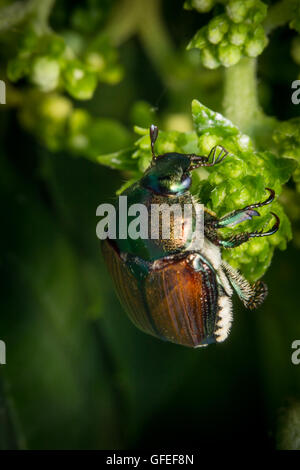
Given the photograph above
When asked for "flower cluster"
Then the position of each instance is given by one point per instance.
(52, 62)
(232, 35)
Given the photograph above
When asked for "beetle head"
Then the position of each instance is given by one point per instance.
(169, 174)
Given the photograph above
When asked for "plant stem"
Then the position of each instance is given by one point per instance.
(143, 18)
(279, 14)
(42, 13)
(154, 36)
(240, 102)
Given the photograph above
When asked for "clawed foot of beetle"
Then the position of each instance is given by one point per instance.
(264, 203)
(240, 238)
(273, 230)
(240, 215)
(215, 157)
(260, 292)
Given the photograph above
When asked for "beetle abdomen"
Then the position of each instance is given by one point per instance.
(173, 301)
(183, 301)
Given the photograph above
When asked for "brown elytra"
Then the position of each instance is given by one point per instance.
(173, 301)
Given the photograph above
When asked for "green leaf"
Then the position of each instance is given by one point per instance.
(121, 160)
(206, 120)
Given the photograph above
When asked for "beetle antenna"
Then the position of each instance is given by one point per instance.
(153, 137)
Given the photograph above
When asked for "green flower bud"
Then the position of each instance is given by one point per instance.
(209, 58)
(217, 27)
(229, 54)
(256, 43)
(237, 10)
(79, 121)
(202, 6)
(237, 34)
(251, 11)
(258, 13)
(102, 58)
(199, 41)
(55, 107)
(79, 81)
(95, 61)
(111, 75)
(45, 73)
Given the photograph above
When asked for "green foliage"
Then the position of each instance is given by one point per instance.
(235, 34)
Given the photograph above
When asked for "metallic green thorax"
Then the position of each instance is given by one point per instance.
(166, 182)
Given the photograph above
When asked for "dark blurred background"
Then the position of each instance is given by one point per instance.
(79, 375)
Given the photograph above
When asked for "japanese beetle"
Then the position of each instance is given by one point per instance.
(169, 290)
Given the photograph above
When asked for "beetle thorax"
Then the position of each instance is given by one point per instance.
(177, 214)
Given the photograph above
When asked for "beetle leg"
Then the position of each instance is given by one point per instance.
(252, 295)
(238, 216)
(240, 238)
(235, 217)
(215, 157)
